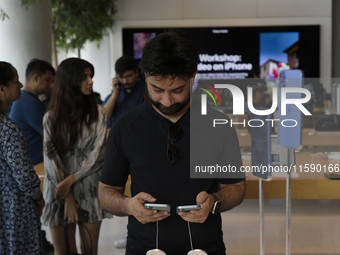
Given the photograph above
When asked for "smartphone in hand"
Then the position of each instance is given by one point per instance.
(187, 208)
(119, 85)
(158, 207)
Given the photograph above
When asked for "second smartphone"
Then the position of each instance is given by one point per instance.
(187, 208)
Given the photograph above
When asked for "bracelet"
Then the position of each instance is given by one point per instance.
(39, 198)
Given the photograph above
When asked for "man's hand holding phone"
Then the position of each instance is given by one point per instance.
(136, 208)
(197, 213)
(116, 86)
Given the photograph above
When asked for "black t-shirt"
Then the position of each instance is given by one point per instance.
(137, 145)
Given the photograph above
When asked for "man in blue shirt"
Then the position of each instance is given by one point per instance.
(128, 91)
(28, 112)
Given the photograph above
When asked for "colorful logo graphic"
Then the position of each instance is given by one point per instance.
(213, 94)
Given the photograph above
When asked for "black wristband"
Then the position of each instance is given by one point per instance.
(215, 197)
(216, 206)
(39, 198)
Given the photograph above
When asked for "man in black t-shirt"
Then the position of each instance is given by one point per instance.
(152, 145)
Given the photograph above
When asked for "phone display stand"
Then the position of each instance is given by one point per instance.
(197, 252)
(280, 158)
(261, 155)
(191, 252)
(261, 211)
(156, 251)
(291, 161)
(290, 138)
(194, 251)
(284, 156)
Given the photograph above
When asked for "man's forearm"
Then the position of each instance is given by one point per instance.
(231, 195)
(112, 199)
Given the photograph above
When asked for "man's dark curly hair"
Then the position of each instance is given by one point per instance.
(171, 54)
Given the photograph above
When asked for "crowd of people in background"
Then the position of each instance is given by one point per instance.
(57, 119)
(74, 110)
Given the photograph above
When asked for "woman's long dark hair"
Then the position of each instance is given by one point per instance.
(6, 75)
(69, 109)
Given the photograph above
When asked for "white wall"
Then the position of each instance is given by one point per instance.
(184, 13)
(26, 34)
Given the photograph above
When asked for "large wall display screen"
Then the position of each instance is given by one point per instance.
(238, 52)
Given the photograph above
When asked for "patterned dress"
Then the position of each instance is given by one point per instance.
(20, 227)
(85, 163)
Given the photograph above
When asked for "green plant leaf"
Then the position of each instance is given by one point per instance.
(74, 22)
(77, 21)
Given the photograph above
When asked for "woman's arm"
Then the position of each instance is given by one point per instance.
(17, 157)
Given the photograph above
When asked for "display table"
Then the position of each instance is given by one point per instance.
(307, 186)
(309, 138)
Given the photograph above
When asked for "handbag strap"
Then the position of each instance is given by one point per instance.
(67, 238)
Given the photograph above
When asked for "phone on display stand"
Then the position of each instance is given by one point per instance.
(261, 155)
(290, 124)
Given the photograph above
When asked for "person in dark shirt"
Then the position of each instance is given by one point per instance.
(28, 112)
(128, 90)
(152, 144)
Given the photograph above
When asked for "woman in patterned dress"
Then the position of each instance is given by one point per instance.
(20, 195)
(74, 143)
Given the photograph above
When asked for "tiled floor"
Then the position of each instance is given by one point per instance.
(315, 228)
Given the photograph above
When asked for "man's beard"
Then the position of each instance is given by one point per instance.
(175, 108)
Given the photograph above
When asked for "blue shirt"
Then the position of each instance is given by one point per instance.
(127, 101)
(28, 113)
